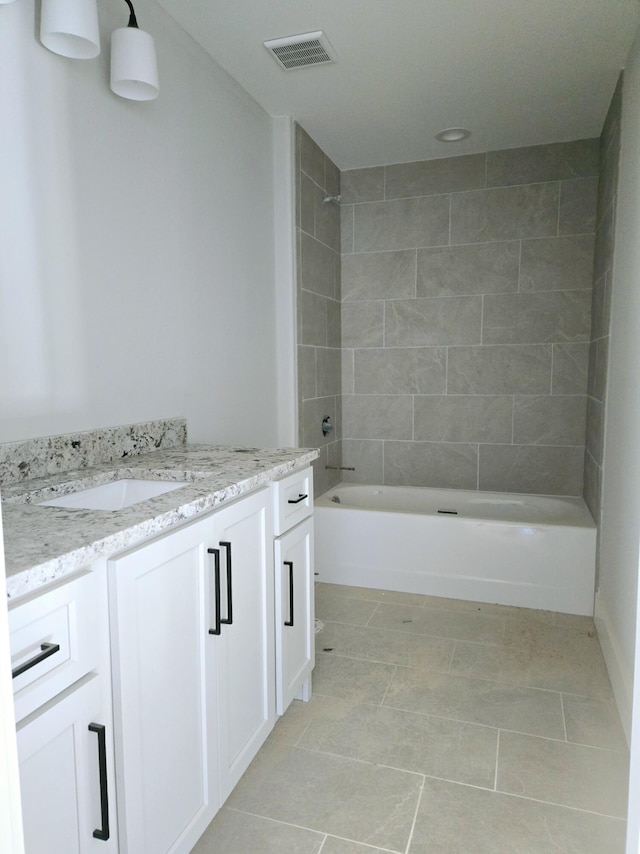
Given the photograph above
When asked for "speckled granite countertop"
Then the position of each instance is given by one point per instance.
(43, 544)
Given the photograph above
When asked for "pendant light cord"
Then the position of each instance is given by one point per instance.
(132, 18)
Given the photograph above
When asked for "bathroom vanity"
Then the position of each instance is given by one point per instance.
(153, 656)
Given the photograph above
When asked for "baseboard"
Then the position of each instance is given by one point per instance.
(621, 679)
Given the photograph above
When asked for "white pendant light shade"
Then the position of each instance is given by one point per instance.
(70, 28)
(134, 67)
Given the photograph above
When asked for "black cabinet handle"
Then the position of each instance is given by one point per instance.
(229, 620)
(102, 832)
(216, 588)
(297, 500)
(289, 563)
(46, 649)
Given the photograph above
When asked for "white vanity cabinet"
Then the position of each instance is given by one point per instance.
(294, 588)
(193, 671)
(60, 663)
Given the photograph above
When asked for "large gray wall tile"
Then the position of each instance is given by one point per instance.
(366, 456)
(346, 228)
(334, 323)
(557, 263)
(402, 224)
(327, 217)
(313, 312)
(391, 370)
(307, 372)
(549, 420)
(313, 413)
(595, 428)
(601, 308)
(434, 464)
(429, 322)
(578, 200)
(379, 275)
(481, 268)
(604, 244)
(524, 369)
(553, 162)
(428, 177)
(328, 369)
(504, 214)
(570, 366)
(362, 185)
(312, 158)
(308, 192)
(531, 468)
(536, 318)
(463, 418)
(598, 366)
(377, 416)
(592, 486)
(318, 266)
(347, 371)
(363, 324)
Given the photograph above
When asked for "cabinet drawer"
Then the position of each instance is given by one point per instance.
(293, 500)
(54, 641)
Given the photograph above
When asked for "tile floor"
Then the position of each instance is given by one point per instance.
(438, 726)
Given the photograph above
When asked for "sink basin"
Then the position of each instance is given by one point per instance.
(115, 495)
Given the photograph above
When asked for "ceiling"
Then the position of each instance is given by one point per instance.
(515, 72)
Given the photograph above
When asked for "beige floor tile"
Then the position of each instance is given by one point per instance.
(333, 845)
(572, 775)
(371, 594)
(478, 701)
(295, 720)
(351, 679)
(594, 722)
(455, 819)
(540, 656)
(238, 833)
(427, 745)
(331, 794)
(439, 623)
(386, 646)
(340, 609)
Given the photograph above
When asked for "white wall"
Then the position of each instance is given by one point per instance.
(136, 241)
(620, 530)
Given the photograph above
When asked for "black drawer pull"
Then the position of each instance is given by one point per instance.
(216, 588)
(229, 620)
(46, 649)
(297, 500)
(102, 833)
(289, 563)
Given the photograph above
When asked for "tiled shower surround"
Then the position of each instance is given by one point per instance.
(465, 319)
(318, 301)
(601, 304)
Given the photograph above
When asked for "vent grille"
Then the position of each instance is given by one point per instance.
(301, 51)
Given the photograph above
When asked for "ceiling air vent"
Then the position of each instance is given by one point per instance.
(301, 51)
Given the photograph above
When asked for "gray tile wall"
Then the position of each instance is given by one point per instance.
(601, 303)
(318, 306)
(466, 315)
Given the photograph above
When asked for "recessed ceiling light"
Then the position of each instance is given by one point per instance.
(453, 134)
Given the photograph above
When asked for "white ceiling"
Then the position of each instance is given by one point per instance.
(515, 72)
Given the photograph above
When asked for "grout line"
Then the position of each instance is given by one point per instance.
(384, 696)
(564, 718)
(322, 844)
(453, 655)
(495, 778)
(372, 613)
(415, 816)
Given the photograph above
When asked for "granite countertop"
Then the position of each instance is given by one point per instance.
(43, 544)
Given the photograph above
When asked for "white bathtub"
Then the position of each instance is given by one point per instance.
(528, 550)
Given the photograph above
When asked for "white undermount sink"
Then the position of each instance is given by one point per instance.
(114, 495)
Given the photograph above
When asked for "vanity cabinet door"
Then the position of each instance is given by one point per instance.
(66, 774)
(164, 691)
(295, 646)
(245, 647)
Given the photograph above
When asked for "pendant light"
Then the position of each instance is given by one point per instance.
(70, 28)
(134, 68)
